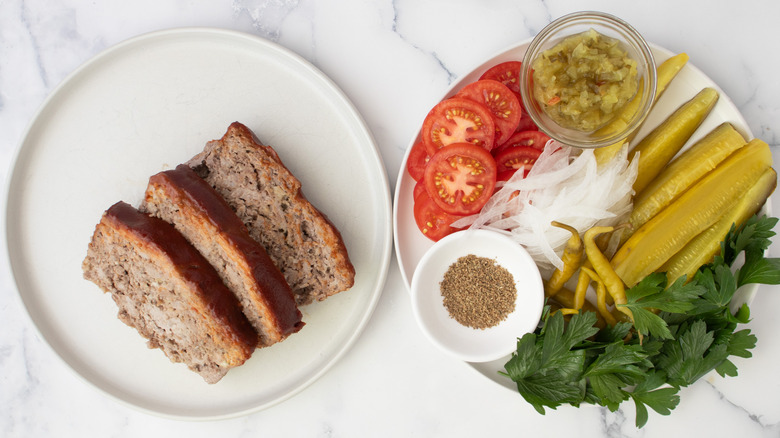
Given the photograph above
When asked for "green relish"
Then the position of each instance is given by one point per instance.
(582, 82)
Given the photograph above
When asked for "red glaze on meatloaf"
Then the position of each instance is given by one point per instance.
(202, 216)
(168, 292)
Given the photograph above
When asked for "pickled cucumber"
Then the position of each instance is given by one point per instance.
(690, 214)
(685, 170)
(666, 140)
(703, 248)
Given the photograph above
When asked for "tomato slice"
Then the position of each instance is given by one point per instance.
(419, 189)
(432, 221)
(515, 158)
(526, 122)
(508, 73)
(534, 139)
(460, 178)
(458, 120)
(501, 102)
(418, 158)
(505, 175)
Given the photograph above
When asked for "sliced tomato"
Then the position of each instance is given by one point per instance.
(460, 178)
(419, 189)
(418, 158)
(501, 102)
(515, 158)
(526, 122)
(505, 175)
(508, 73)
(534, 139)
(432, 221)
(458, 120)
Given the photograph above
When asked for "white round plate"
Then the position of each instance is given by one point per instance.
(144, 106)
(410, 244)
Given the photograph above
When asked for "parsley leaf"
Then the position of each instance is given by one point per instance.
(556, 347)
(689, 356)
(547, 370)
(648, 323)
(753, 237)
(651, 295)
(646, 393)
(764, 271)
(618, 366)
(610, 334)
(741, 342)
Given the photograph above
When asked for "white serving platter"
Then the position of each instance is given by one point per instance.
(411, 245)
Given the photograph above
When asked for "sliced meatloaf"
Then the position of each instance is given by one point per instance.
(301, 241)
(199, 213)
(168, 292)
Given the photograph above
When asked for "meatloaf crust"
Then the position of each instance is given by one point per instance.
(168, 292)
(203, 217)
(302, 242)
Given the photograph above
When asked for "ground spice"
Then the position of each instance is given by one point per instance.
(478, 292)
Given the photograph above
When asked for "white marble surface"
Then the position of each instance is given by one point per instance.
(393, 59)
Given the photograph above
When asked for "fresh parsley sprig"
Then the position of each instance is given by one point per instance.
(687, 331)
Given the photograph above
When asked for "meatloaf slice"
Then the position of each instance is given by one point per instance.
(301, 241)
(199, 213)
(168, 292)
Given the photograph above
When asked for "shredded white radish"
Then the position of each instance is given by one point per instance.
(565, 185)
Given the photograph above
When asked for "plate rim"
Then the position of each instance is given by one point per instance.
(376, 283)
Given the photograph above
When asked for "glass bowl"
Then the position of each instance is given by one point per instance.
(630, 41)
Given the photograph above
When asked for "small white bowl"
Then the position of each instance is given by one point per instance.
(463, 342)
